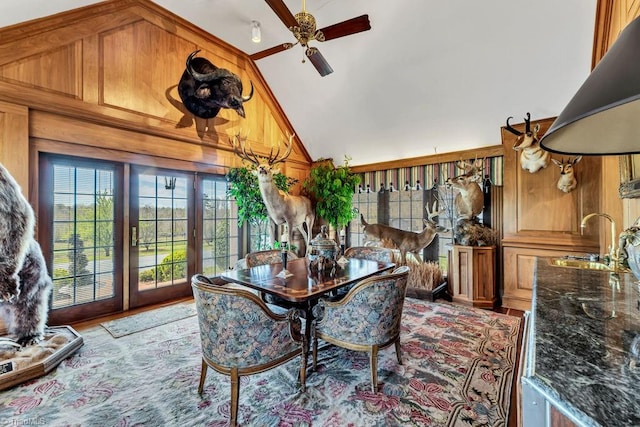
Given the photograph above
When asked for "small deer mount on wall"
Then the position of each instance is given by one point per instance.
(469, 202)
(532, 156)
(567, 181)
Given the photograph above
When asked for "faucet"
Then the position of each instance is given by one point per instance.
(614, 252)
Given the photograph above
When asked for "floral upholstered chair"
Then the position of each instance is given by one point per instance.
(241, 336)
(366, 319)
(272, 256)
(372, 253)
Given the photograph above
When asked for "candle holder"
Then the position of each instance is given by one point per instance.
(284, 255)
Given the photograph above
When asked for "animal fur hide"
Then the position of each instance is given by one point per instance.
(24, 282)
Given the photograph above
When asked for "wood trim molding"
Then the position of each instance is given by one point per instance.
(490, 151)
(601, 31)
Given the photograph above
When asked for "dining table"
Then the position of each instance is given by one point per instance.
(303, 286)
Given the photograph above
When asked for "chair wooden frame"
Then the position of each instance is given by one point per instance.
(201, 289)
(327, 308)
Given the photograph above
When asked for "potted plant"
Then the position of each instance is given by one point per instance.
(332, 189)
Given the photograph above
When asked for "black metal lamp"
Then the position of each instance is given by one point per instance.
(603, 117)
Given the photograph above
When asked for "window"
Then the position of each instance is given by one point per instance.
(260, 236)
(367, 205)
(221, 237)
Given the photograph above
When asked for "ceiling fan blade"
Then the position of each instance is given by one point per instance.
(348, 27)
(283, 12)
(320, 63)
(271, 51)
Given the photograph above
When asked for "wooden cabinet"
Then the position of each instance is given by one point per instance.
(519, 263)
(474, 273)
(541, 220)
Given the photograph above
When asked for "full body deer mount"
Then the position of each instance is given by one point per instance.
(406, 241)
(281, 207)
(470, 200)
(532, 156)
(567, 181)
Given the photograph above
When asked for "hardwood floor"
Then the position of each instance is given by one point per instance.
(95, 322)
(513, 412)
(514, 406)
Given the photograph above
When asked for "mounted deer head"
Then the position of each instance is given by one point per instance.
(567, 181)
(532, 157)
(470, 200)
(406, 241)
(281, 207)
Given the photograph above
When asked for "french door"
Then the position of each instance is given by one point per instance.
(79, 229)
(162, 235)
(176, 224)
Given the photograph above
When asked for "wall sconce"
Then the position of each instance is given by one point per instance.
(602, 117)
(256, 35)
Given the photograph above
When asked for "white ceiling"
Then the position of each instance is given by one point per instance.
(431, 76)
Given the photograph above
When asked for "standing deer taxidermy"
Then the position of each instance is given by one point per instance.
(406, 241)
(567, 181)
(470, 200)
(532, 156)
(281, 207)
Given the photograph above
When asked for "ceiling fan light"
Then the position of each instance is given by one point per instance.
(256, 35)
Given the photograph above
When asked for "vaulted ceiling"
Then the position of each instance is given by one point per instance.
(429, 77)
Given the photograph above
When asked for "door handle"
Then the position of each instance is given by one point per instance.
(134, 236)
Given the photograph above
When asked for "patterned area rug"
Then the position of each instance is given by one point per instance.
(149, 319)
(458, 370)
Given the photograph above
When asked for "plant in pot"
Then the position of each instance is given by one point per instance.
(243, 187)
(331, 189)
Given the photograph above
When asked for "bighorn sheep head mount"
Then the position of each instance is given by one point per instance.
(567, 181)
(532, 156)
(205, 88)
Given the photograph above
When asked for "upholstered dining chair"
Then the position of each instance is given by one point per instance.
(373, 253)
(241, 336)
(366, 319)
(272, 256)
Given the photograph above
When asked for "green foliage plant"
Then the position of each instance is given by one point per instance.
(332, 189)
(243, 187)
(172, 267)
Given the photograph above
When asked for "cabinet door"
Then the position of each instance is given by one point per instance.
(519, 267)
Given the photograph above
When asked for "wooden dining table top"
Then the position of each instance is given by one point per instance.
(304, 285)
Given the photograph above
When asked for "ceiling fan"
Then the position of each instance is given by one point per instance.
(303, 27)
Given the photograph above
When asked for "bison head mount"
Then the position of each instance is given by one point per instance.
(205, 88)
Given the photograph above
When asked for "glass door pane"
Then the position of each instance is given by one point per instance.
(161, 209)
(220, 232)
(79, 232)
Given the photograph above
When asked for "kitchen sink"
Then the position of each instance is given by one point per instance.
(579, 263)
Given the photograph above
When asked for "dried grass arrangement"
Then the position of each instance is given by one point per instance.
(426, 275)
(423, 275)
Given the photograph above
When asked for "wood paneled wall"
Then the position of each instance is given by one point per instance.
(540, 220)
(103, 79)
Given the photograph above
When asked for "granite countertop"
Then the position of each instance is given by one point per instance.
(585, 329)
